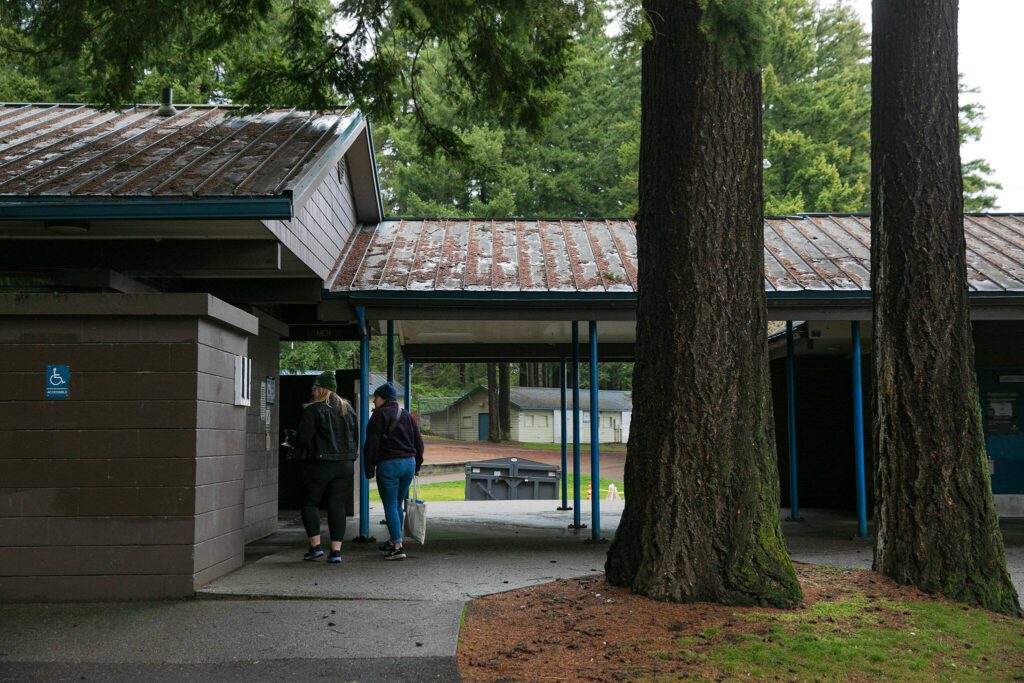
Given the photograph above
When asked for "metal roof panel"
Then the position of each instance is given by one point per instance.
(202, 151)
(809, 253)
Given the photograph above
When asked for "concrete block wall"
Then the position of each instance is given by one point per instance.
(261, 453)
(97, 491)
(220, 454)
(134, 486)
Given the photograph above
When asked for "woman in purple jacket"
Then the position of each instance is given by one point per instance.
(394, 452)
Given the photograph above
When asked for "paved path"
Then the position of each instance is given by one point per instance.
(279, 618)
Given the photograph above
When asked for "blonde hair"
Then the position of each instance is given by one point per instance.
(332, 399)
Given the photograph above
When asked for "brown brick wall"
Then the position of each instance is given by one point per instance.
(220, 461)
(97, 492)
(138, 485)
(261, 463)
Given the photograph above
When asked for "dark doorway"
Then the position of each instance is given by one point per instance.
(294, 391)
(485, 426)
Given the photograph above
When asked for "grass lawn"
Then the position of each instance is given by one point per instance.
(445, 491)
(854, 625)
(880, 638)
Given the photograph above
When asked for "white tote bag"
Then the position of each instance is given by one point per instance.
(416, 514)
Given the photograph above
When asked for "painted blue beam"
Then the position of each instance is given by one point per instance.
(364, 418)
(576, 522)
(36, 208)
(391, 351)
(794, 506)
(565, 437)
(595, 439)
(858, 434)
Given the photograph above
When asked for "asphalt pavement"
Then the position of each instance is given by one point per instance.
(279, 618)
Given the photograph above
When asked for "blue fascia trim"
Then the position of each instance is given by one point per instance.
(820, 294)
(406, 295)
(59, 208)
(460, 295)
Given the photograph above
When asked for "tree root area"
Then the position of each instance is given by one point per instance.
(853, 625)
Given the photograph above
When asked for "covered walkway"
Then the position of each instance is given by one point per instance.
(565, 291)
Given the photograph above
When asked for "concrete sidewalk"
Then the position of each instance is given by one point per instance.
(279, 618)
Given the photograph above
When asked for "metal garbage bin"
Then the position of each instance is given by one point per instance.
(512, 479)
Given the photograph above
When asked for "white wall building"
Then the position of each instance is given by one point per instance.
(535, 416)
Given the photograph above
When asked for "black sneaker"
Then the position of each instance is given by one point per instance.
(334, 557)
(314, 553)
(395, 554)
(385, 547)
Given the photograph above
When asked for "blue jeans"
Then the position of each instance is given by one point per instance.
(394, 477)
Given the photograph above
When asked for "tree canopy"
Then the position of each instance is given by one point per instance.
(467, 124)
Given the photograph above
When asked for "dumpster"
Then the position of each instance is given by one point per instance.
(512, 479)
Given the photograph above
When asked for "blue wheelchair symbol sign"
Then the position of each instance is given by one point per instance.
(58, 381)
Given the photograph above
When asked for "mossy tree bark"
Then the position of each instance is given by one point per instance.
(935, 520)
(702, 522)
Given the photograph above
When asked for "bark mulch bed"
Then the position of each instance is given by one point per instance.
(853, 625)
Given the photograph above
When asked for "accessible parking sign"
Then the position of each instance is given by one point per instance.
(58, 381)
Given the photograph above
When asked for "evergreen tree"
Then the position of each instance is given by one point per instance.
(707, 527)
(935, 519)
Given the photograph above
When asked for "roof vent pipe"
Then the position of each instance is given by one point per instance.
(166, 102)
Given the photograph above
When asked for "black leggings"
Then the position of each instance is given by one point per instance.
(335, 477)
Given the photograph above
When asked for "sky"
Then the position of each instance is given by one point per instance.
(989, 53)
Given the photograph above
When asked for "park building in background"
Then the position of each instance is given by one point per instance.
(535, 414)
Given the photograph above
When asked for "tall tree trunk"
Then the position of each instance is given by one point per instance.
(504, 401)
(935, 520)
(702, 444)
(493, 413)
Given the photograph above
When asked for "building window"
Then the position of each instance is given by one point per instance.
(586, 417)
(543, 421)
(467, 421)
(528, 420)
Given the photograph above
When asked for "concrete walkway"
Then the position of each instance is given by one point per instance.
(279, 618)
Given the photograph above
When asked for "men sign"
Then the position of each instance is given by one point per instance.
(58, 381)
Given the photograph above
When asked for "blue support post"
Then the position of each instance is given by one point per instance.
(794, 506)
(858, 435)
(595, 441)
(576, 523)
(407, 381)
(565, 440)
(391, 350)
(364, 418)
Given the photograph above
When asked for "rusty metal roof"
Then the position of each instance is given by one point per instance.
(804, 253)
(72, 150)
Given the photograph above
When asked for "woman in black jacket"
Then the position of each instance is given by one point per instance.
(327, 434)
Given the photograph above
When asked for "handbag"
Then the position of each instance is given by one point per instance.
(416, 514)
